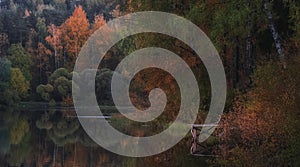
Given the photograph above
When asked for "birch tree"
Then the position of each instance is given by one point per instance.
(275, 35)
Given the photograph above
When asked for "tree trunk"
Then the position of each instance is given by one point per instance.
(249, 46)
(55, 58)
(274, 32)
(236, 56)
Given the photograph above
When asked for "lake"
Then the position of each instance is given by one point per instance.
(39, 135)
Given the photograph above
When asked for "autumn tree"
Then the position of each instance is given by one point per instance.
(42, 61)
(261, 129)
(99, 21)
(55, 41)
(76, 31)
(39, 53)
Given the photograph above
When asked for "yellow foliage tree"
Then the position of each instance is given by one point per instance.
(19, 82)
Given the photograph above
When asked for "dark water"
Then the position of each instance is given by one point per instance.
(53, 137)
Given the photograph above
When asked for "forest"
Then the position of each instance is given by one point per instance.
(258, 42)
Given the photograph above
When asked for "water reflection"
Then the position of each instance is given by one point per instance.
(54, 137)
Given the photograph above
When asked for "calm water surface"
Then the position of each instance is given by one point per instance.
(53, 137)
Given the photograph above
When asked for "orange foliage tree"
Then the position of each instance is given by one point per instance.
(262, 128)
(99, 21)
(75, 32)
(54, 39)
(43, 59)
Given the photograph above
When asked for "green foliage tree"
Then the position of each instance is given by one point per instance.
(61, 80)
(63, 86)
(59, 86)
(45, 91)
(61, 72)
(8, 96)
(20, 59)
(41, 28)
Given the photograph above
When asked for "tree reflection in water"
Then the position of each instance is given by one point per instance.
(55, 138)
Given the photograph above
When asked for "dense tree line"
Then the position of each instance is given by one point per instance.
(258, 41)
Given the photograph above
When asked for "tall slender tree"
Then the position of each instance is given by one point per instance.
(55, 40)
(275, 33)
